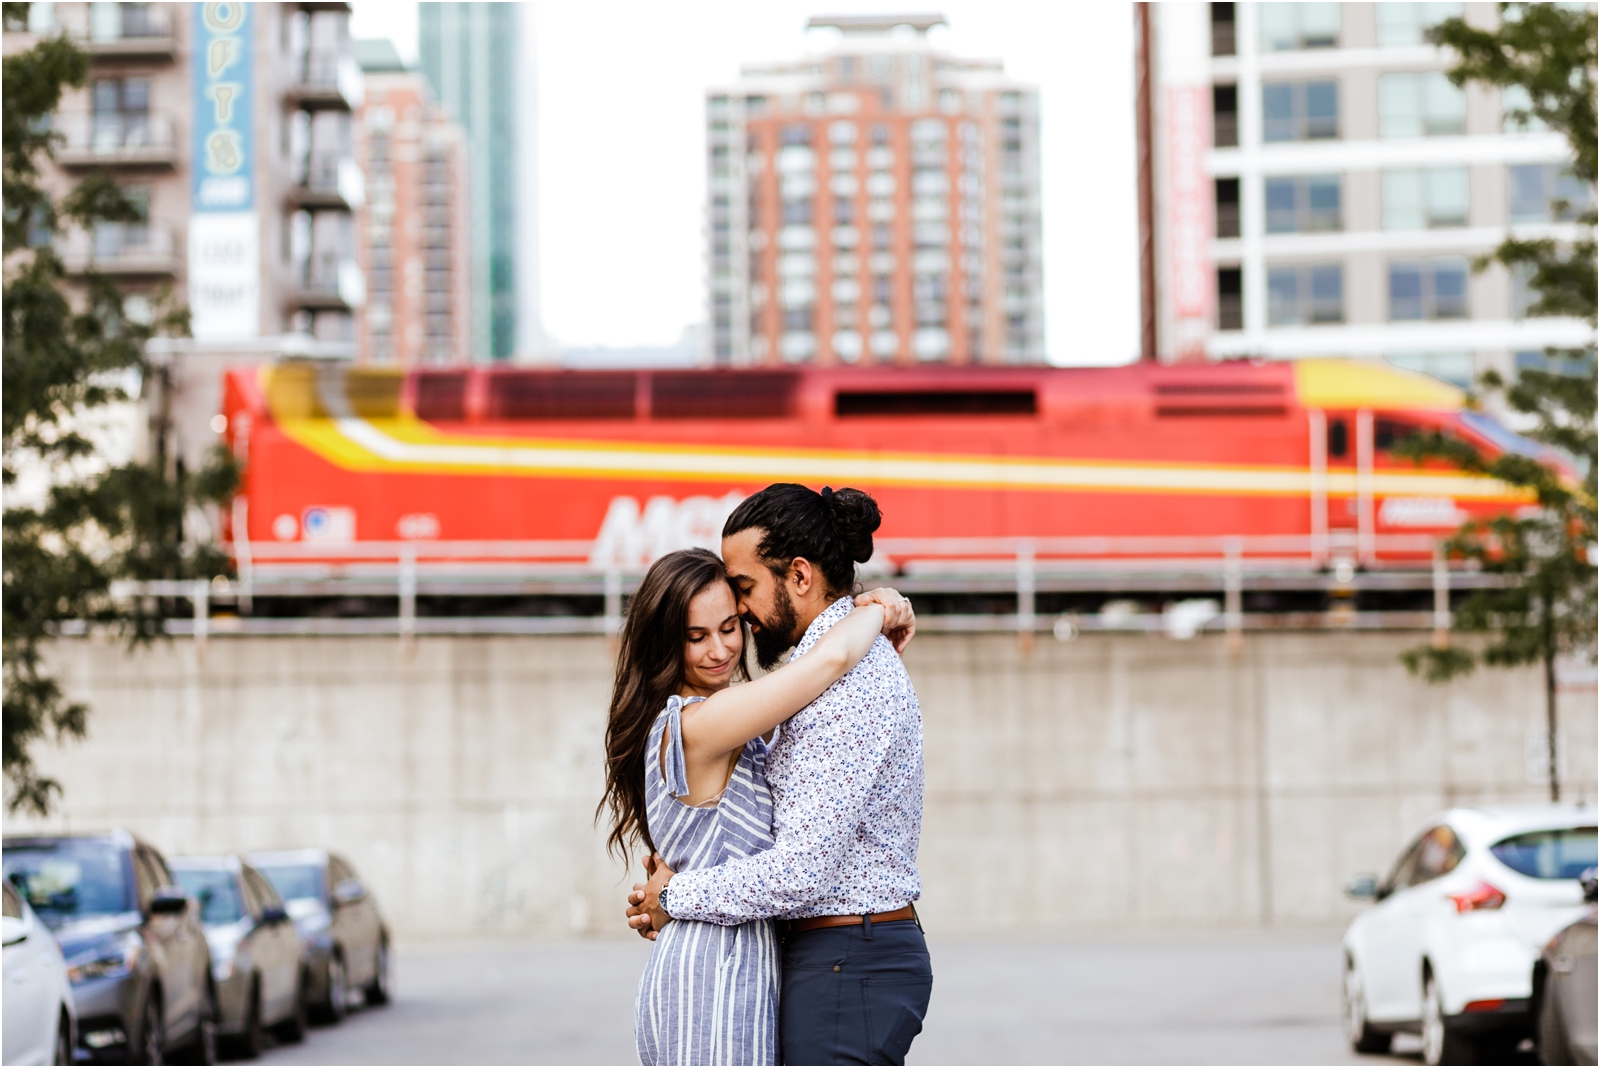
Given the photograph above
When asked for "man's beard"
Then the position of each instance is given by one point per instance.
(775, 636)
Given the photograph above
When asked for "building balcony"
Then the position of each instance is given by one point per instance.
(332, 183)
(129, 31)
(328, 281)
(324, 82)
(115, 139)
(124, 250)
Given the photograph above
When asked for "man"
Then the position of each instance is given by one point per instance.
(846, 779)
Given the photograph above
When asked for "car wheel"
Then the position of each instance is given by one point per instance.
(152, 1044)
(335, 995)
(1358, 1031)
(377, 991)
(1548, 1032)
(254, 1038)
(1441, 1043)
(293, 1028)
(203, 1047)
(63, 1041)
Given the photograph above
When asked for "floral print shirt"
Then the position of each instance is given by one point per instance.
(846, 780)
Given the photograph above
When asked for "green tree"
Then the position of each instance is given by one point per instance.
(70, 345)
(1545, 607)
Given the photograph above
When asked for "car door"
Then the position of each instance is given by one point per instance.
(355, 922)
(1436, 854)
(30, 989)
(186, 961)
(277, 949)
(1382, 949)
(1572, 984)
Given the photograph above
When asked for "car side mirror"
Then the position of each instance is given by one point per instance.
(16, 930)
(1587, 881)
(1362, 887)
(349, 892)
(274, 914)
(169, 901)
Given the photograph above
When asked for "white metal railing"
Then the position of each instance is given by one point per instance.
(1018, 565)
(110, 135)
(120, 245)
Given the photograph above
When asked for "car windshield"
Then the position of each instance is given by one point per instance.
(71, 879)
(217, 892)
(1561, 854)
(295, 880)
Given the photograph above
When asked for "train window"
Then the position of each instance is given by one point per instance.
(561, 395)
(1223, 399)
(1338, 439)
(722, 395)
(442, 396)
(1387, 433)
(937, 402)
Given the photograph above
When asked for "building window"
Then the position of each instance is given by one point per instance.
(1305, 294)
(1575, 365)
(1523, 295)
(1224, 115)
(1291, 27)
(1547, 192)
(1223, 42)
(1230, 298)
(1404, 24)
(1516, 111)
(1300, 111)
(1227, 207)
(1425, 199)
(1420, 105)
(1304, 204)
(1428, 289)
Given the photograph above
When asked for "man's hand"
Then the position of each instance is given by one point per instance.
(899, 619)
(644, 912)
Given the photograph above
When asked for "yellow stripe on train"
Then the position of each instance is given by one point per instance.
(412, 447)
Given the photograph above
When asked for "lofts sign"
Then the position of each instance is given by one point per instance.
(224, 231)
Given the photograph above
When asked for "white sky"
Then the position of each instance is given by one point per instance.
(622, 150)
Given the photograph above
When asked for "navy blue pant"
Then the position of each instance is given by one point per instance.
(853, 995)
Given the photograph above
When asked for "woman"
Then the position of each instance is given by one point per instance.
(685, 775)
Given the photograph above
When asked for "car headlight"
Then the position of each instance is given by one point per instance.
(108, 962)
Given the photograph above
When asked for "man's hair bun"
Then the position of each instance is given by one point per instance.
(855, 519)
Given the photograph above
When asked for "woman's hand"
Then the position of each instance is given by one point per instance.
(899, 619)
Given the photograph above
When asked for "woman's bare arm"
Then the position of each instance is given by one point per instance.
(727, 720)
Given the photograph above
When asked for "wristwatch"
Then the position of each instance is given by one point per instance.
(661, 898)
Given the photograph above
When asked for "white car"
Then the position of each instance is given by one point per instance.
(1448, 948)
(40, 1022)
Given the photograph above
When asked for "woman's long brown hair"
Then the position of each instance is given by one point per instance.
(649, 670)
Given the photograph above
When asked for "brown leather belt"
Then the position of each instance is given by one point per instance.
(812, 923)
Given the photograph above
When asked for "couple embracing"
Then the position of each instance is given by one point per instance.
(780, 817)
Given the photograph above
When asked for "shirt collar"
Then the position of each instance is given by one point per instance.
(823, 623)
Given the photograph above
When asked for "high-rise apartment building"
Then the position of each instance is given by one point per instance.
(1320, 188)
(413, 232)
(878, 203)
(230, 124)
(472, 56)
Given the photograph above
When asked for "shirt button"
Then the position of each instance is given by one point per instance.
(835, 967)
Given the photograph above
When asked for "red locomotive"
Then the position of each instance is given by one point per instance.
(613, 467)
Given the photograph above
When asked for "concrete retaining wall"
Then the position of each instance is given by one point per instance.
(1110, 781)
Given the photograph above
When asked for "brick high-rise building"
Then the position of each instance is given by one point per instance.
(875, 204)
(414, 233)
(230, 123)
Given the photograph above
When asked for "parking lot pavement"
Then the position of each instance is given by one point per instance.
(1144, 998)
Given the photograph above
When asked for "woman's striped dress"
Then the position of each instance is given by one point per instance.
(709, 994)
